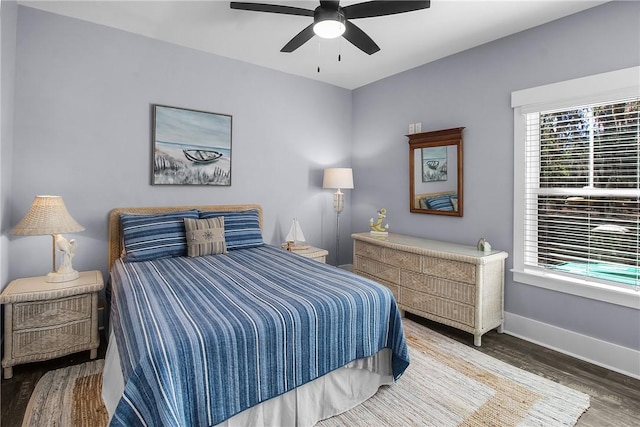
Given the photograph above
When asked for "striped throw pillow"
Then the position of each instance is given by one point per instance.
(440, 203)
(205, 236)
(241, 228)
(148, 237)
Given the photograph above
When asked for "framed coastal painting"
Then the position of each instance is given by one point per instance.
(190, 147)
(434, 164)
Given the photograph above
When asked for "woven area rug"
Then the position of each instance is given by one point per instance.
(447, 384)
(68, 397)
(451, 384)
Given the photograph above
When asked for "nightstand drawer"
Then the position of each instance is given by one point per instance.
(36, 314)
(29, 342)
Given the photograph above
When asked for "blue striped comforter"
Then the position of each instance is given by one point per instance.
(202, 339)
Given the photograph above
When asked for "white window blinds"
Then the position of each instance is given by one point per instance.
(582, 191)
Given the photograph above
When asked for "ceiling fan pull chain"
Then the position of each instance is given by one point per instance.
(319, 53)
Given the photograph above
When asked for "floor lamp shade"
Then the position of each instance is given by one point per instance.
(49, 215)
(338, 178)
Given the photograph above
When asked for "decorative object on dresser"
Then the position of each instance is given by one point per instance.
(483, 245)
(338, 178)
(377, 227)
(449, 283)
(45, 321)
(435, 172)
(49, 215)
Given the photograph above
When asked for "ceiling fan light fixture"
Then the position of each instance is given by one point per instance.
(329, 24)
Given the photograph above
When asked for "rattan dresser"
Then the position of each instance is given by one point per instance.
(449, 283)
(47, 320)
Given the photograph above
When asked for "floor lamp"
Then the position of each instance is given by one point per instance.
(338, 178)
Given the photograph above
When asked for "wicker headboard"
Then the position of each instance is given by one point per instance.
(115, 235)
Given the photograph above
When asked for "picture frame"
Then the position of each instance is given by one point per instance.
(190, 147)
(434, 164)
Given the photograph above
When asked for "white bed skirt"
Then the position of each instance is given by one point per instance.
(334, 393)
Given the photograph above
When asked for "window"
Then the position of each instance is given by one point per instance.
(577, 187)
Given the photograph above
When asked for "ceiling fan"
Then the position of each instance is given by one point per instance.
(330, 20)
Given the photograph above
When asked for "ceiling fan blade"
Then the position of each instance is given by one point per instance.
(359, 39)
(271, 8)
(370, 9)
(301, 38)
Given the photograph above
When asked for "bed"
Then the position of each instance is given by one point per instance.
(236, 332)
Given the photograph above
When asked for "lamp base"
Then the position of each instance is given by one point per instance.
(55, 277)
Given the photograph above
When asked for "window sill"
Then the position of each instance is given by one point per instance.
(580, 287)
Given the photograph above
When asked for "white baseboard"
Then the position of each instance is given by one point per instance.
(608, 355)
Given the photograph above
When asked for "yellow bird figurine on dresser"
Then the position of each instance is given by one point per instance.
(376, 226)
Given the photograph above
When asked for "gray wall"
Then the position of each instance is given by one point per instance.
(473, 89)
(83, 96)
(8, 22)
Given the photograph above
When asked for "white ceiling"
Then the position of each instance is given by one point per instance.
(406, 40)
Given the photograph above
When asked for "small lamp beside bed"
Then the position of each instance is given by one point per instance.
(49, 215)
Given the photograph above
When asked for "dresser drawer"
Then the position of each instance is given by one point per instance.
(395, 289)
(29, 342)
(377, 269)
(395, 258)
(367, 250)
(36, 314)
(402, 259)
(441, 307)
(456, 291)
(448, 269)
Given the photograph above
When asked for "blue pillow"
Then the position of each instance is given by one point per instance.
(148, 237)
(241, 228)
(440, 203)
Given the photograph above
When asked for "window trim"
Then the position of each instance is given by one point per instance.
(618, 84)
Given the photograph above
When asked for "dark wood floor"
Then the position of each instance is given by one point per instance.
(615, 398)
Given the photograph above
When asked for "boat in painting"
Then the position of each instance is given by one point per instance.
(202, 156)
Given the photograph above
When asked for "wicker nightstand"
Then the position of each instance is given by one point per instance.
(313, 253)
(47, 320)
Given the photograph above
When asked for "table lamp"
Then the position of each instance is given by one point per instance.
(338, 178)
(49, 215)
